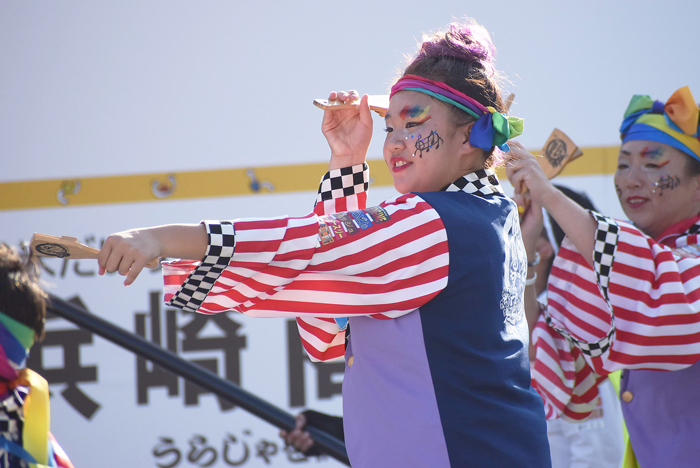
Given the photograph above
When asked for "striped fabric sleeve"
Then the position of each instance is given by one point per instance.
(638, 308)
(568, 386)
(382, 262)
(343, 189)
(340, 190)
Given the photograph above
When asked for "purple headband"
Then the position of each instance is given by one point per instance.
(440, 91)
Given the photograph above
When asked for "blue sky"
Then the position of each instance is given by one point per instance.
(98, 88)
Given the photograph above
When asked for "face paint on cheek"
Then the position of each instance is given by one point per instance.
(411, 136)
(414, 133)
(667, 182)
(433, 140)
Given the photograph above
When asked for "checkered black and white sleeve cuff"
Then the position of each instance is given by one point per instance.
(593, 348)
(343, 182)
(606, 237)
(222, 243)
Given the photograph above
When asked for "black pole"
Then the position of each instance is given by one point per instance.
(195, 373)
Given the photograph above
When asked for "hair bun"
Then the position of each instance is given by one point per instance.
(467, 41)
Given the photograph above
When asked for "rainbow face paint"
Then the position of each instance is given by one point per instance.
(651, 153)
(654, 154)
(414, 112)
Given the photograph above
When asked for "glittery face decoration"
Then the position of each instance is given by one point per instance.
(656, 156)
(411, 135)
(667, 182)
(433, 140)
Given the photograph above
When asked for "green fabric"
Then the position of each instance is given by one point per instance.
(24, 334)
(515, 125)
(639, 102)
(500, 125)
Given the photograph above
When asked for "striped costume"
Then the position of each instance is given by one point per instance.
(637, 310)
(437, 371)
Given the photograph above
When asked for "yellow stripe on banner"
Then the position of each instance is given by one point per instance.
(600, 160)
(220, 183)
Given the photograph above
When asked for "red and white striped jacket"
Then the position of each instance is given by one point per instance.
(317, 266)
(382, 262)
(638, 308)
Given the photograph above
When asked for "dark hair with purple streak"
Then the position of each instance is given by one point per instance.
(462, 57)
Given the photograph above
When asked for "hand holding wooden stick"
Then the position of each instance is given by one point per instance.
(558, 151)
(44, 245)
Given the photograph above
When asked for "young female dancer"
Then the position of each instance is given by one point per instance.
(432, 281)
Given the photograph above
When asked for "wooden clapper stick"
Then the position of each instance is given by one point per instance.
(379, 103)
(43, 245)
(558, 151)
